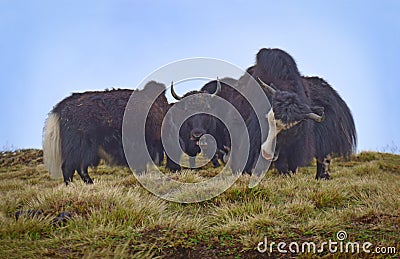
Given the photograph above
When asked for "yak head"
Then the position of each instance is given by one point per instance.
(198, 124)
(288, 110)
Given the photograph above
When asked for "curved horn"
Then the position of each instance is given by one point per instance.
(218, 89)
(177, 97)
(315, 117)
(266, 86)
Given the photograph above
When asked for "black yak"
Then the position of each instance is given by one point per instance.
(196, 126)
(232, 91)
(227, 92)
(227, 89)
(310, 117)
(86, 127)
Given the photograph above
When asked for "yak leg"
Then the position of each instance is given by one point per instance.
(215, 162)
(68, 172)
(159, 158)
(282, 166)
(157, 155)
(323, 168)
(292, 168)
(84, 174)
(192, 162)
(171, 165)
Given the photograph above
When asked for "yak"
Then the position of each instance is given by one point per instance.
(227, 92)
(86, 127)
(234, 96)
(310, 117)
(196, 126)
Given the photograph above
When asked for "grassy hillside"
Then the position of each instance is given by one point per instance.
(116, 217)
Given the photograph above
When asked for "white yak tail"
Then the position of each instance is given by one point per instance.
(52, 146)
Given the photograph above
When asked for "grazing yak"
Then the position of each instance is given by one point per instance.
(310, 117)
(86, 127)
(233, 95)
(227, 92)
(198, 125)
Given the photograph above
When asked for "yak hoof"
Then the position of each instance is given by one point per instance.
(173, 167)
(324, 176)
(286, 173)
(216, 164)
(88, 181)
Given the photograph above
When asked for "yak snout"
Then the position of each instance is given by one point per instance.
(195, 134)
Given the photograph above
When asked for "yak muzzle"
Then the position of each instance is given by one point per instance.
(196, 134)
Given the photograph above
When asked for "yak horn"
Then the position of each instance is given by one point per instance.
(177, 97)
(218, 89)
(266, 86)
(315, 117)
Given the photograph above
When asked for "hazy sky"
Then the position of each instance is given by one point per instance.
(49, 49)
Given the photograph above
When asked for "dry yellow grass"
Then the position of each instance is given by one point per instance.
(116, 217)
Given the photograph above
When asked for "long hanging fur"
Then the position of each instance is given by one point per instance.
(336, 135)
(52, 146)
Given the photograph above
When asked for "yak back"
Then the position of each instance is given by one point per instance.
(278, 69)
(91, 120)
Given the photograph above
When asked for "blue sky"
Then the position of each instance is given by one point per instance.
(49, 49)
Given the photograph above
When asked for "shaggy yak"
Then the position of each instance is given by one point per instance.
(86, 127)
(311, 119)
(198, 125)
(308, 117)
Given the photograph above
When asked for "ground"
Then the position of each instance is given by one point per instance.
(117, 217)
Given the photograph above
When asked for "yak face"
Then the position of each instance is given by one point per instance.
(193, 133)
(196, 126)
(288, 110)
(199, 124)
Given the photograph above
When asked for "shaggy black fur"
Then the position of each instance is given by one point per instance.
(295, 97)
(91, 129)
(336, 135)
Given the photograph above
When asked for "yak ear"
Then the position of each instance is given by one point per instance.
(318, 110)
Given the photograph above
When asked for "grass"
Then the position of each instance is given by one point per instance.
(116, 217)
